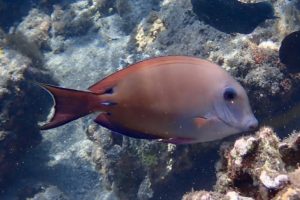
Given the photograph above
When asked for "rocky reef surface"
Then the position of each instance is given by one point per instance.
(74, 43)
(20, 103)
(257, 167)
(139, 169)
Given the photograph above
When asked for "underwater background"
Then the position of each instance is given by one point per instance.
(75, 43)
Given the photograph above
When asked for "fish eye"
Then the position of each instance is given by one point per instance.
(229, 94)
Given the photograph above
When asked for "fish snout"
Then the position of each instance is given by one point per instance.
(251, 124)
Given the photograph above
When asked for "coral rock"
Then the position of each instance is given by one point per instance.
(273, 180)
(18, 121)
(204, 195)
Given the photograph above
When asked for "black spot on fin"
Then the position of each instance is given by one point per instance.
(109, 91)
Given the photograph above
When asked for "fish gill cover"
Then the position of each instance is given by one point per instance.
(233, 16)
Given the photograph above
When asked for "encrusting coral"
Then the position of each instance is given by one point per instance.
(257, 167)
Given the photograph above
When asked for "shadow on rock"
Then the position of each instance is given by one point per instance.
(49, 172)
(22, 106)
(141, 169)
(257, 167)
(232, 16)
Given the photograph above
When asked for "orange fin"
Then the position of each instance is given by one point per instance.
(69, 105)
(200, 121)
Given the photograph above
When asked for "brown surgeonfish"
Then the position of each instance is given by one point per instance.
(175, 99)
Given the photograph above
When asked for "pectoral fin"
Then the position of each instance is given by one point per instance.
(200, 121)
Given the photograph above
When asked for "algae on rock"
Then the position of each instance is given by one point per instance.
(19, 114)
(258, 167)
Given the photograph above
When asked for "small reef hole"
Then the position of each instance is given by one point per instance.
(245, 185)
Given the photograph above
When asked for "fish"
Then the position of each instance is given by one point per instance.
(233, 16)
(289, 52)
(172, 99)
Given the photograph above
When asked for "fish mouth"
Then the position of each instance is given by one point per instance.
(240, 129)
(230, 125)
(217, 118)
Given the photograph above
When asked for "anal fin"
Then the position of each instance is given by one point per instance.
(103, 120)
(178, 140)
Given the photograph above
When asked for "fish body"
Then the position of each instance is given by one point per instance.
(176, 99)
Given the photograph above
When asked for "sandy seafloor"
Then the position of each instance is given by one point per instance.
(82, 41)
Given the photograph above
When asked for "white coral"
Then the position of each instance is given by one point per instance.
(273, 182)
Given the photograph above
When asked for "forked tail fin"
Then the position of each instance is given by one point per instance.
(69, 105)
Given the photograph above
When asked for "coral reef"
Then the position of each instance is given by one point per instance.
(127, 170)
(289, 17)
(79, 42)
(204, 195)
(147, 34)
(137, 169)
(20, 102)
(257, 167)
(35, 27)
(49, 193)
(45, 192)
